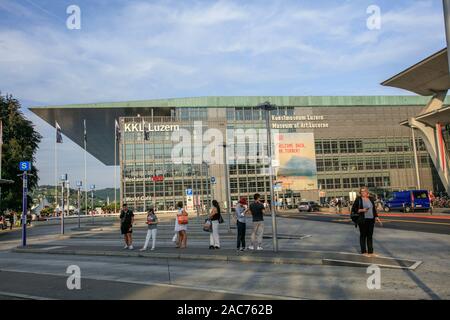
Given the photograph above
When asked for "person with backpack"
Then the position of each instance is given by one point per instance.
(241, 223)
(215, 218)
(364, 214)
(152, 222)
(181, 222)
(126, 226)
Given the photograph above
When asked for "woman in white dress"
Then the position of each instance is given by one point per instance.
(181, 228)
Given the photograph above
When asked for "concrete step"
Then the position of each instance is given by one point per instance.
(265, 256)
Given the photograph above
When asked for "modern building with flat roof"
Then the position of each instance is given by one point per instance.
(356, 140)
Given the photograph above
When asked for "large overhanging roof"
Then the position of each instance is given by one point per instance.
(425, 78)
(100, 117)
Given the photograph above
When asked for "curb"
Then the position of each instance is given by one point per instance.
(182, 256)
(221, 258)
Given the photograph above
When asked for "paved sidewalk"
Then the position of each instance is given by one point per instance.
(105, 240)
(281, 257)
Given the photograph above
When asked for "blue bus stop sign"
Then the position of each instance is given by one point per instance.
(25, 166)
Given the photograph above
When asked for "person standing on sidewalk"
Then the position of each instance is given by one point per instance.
(181, 228)
(257, 210)
(126, 226)
(241, 210)
(152, 222)
(365, 207)
(214, 216)
(11, 220)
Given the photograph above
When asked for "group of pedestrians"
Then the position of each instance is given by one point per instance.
(363, 210)
(243, 212)
(242, 216)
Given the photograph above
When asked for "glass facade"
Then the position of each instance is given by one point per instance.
(358, 146)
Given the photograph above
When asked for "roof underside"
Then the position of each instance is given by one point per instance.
(425, 78)
(100, 117)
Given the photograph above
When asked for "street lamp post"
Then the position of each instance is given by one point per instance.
(68, 199)
(227, 185)
(63, 182)
(79, 184)
(24, 208)
(92, 201)
(209, 186)
(268, 107)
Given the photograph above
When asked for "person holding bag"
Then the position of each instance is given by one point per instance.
(181, 222)
(365, 208)
(215, 218)
(152, 222)
(207, 227)
(126, 226)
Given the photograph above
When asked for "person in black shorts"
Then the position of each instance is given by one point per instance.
(126, 226)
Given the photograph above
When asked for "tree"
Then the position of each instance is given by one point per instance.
(20, 143)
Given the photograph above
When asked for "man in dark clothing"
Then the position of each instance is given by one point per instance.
(126, 226)
(257, 210)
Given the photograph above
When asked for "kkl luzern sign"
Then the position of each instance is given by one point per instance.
(303, 122)
(143, 126)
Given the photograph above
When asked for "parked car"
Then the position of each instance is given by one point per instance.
(308, 206)
(410, 200)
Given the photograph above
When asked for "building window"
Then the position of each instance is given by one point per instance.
(327, 147)
(343, 147)
(318, 145)
(346, 183)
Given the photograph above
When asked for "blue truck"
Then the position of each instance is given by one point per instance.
(410, 200)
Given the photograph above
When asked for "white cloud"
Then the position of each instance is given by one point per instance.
(163, 49)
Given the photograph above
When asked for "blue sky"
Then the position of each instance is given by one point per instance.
(134, 50)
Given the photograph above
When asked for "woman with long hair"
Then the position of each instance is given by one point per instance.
(181, 228)
(152, 222)
(214, 216)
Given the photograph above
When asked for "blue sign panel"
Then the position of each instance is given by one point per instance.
(25, 166)
(213, 180)
(189, 192)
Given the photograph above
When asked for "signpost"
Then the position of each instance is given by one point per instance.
(189, 200)
(92, 201)
(63, 181)
(79, 185)
(24, 166)
(267, 107)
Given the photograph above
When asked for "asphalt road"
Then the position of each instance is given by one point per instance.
(422, 224)
(33, 286)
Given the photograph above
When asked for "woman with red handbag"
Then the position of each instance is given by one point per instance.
(181, 222)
